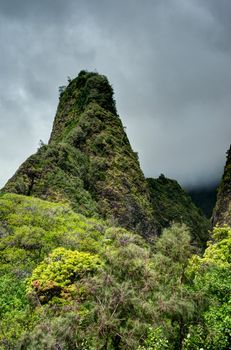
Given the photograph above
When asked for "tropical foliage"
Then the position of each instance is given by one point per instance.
(70, 282)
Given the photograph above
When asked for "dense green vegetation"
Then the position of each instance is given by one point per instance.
(71, 282)
(172, 204)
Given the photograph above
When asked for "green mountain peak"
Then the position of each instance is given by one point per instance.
(88, 161)
(85, 89)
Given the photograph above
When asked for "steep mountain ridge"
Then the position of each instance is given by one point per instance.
(89, 161)
(222, 210)
(172, 204)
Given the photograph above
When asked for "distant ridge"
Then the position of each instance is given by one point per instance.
(172, 204)
(204, 197)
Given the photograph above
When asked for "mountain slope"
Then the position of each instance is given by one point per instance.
(204, 197)
(172, 204)
(89, 162)
(222, 210)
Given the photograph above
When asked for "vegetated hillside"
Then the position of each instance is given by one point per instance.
(172, 204)
(222, 210)
(89, 162)
(204, 197)
(71, 282)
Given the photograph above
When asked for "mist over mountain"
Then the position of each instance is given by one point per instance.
(204, 197)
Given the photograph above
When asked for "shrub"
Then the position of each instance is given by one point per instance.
(57, 274)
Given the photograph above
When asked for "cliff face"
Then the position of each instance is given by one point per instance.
(222, 210)
(172, 204)
(88, 161)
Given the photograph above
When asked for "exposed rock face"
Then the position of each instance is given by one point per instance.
(172, 204)
(222, 210)
(89, 161)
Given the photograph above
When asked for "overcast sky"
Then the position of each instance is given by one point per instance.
(169, 62)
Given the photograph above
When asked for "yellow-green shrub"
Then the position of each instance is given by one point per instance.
(58, 273)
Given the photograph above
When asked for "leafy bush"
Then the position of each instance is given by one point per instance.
(155, 340)
(57, 274)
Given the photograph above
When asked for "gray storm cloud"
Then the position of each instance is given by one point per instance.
(168, 61)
